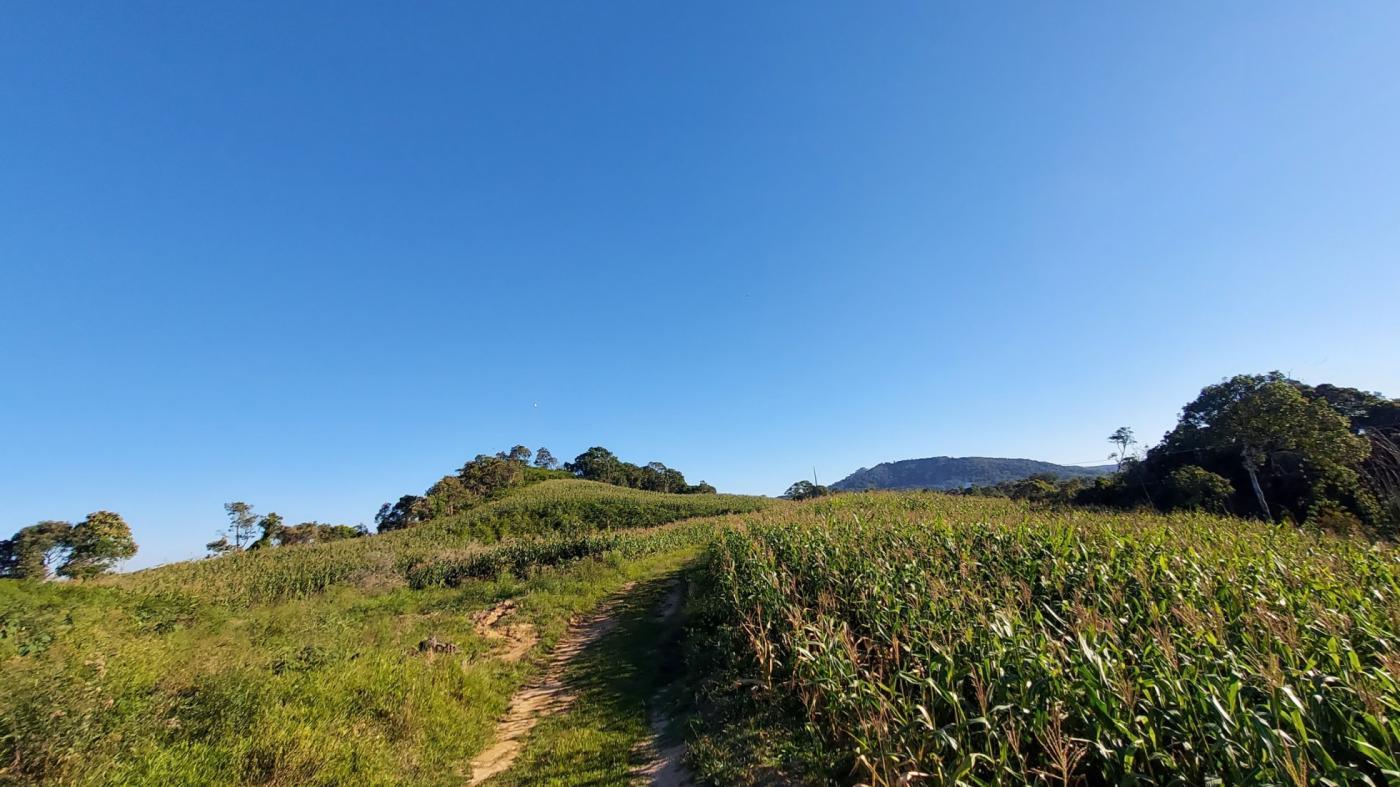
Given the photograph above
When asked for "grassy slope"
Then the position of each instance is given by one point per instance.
(976, 639)
(300, 665)
(386, 560)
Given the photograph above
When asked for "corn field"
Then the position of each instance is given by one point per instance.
(519, 556)
(952, 640)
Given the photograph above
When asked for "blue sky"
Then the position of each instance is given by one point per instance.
(315, 255)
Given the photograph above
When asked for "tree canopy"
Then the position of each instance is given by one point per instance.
(35, 551)
(804, 490)
(1270, 446)
(242, 523)
(600, 464)
(79, 551)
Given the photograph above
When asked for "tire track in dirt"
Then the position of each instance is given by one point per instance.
(664, 765)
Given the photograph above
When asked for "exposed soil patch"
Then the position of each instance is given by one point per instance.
(514, 639)
(548, 694)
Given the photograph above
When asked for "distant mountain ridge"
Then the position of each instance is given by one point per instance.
(957, 472)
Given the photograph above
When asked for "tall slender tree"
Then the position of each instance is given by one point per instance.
(242, 523)
(1123, 438)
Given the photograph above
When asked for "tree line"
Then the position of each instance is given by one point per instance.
(487, 477)
(600, 464)
(248, 530)
(74, 551)
(1261, 445)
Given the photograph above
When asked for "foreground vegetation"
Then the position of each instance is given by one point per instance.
(879, 638)
(352, 661)
(958, 639)
(106, 688)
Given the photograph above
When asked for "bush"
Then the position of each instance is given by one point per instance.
(1192, 488)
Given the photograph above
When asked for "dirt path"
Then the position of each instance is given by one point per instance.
(547, 695)
(664, 765)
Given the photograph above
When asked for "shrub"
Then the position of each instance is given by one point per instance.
(1193, 488)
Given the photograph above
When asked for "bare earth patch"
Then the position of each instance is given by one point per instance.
(547, 695)
(516, 638)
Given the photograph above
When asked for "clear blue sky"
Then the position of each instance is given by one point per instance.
(315, 255)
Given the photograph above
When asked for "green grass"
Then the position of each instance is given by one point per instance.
(300, 665)
(325, 690)
(979, 641)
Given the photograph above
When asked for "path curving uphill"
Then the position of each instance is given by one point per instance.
(547, 695)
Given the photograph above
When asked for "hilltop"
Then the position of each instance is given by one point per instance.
(956, 472)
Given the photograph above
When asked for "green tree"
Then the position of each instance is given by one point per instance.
(518, 453)
(545, 460)
(35, 551)
(242, 523)
(657, 477)
(410, 510)
(804, 490)
(598, 464)
(97, 543)
(1272, 429)
(1039, 487)
(488, 476)
(450, 496)
(272, 532)
(318, 533)
(1376, 418)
